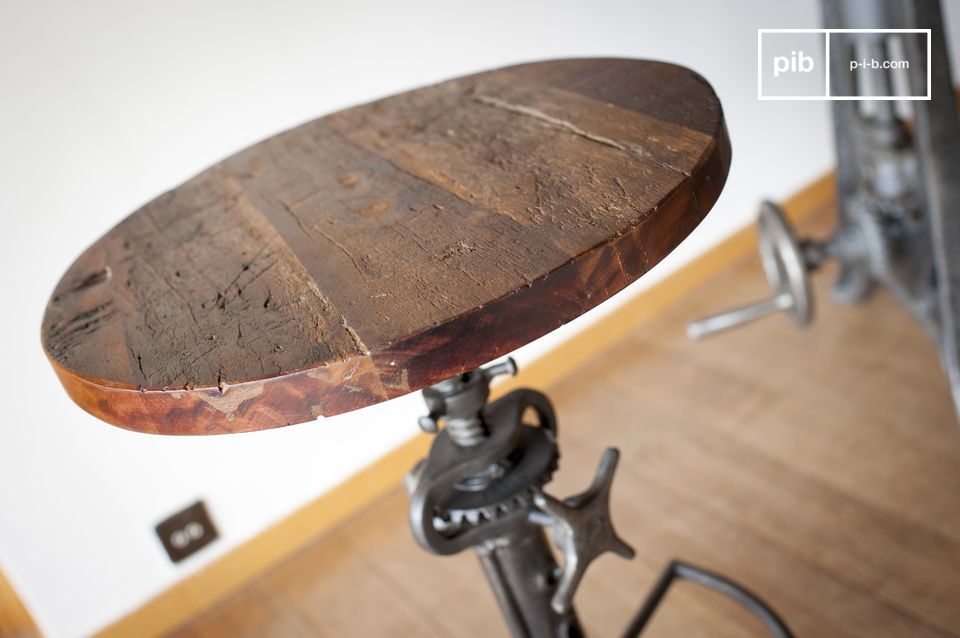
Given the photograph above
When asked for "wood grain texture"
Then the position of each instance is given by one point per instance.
(817, 467)
(372, 252)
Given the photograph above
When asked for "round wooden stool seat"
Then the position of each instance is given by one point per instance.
(383, 248)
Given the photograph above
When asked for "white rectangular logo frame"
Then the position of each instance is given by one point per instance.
(828, 97)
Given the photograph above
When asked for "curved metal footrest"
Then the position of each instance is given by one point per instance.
(678, 570)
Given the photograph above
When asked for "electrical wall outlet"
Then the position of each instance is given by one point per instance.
(186, 532)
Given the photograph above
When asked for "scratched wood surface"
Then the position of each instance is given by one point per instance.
(818, 467)
(386, 247)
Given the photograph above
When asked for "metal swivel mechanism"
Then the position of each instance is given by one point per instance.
(482, 487)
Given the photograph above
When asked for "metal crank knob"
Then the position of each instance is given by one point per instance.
(508, 367)
(786, 267)
(582, 529)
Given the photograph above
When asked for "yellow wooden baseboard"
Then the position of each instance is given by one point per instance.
(198, 592)
(15, 621)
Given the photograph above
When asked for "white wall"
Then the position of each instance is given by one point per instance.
(106, 104)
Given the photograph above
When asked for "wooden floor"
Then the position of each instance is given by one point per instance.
(820, 468)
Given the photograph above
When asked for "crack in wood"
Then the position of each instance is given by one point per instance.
(344, 250)
(94, 278)
(633, 149)
(296, 217)
(357, 342)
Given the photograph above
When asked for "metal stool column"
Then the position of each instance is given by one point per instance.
(481, 487)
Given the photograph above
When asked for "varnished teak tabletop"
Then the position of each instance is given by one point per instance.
(386, 247)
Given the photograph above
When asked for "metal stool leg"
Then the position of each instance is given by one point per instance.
(678, 570)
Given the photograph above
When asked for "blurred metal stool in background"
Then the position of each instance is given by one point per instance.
(898, 183)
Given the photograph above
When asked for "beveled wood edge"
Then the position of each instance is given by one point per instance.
(304, 395)
(241, 407)
(199, 591)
